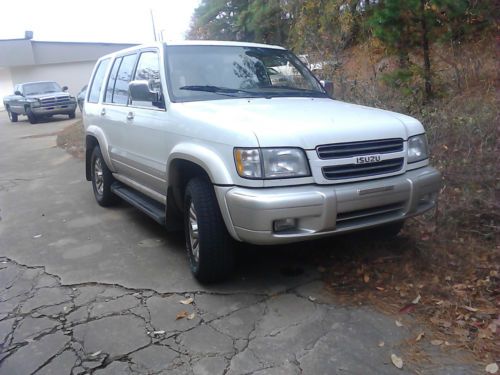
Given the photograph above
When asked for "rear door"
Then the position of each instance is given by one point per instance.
(114, 111)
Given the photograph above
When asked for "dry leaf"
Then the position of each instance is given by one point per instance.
(407, 309)
(381, 344)
(312, 299)
(416, 300)
(398, 323)
(397, 361)
(187, 301)
(492, 368)
(469, 308)
(379, 288)
(437, 342)
(366, 278)
(96, 353)
(419, 337)
(158, 332)
(182, 314)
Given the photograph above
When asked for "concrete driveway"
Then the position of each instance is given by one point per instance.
(89, 290)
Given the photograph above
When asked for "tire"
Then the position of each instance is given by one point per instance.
(102, 179)
(12, 115)
(31, 116)
(71, 114)
(212, 258)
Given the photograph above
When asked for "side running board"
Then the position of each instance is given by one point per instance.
(147, 205)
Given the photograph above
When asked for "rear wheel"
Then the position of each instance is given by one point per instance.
(102, 178)
(71, 114)
(31, 116)
(209, 245)
(12, 115)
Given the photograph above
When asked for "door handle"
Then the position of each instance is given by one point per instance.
(103, 111)
(130, 116)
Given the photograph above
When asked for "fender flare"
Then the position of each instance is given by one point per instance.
(98, 134)
(206, 158)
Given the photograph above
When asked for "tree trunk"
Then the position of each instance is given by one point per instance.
(425, 47)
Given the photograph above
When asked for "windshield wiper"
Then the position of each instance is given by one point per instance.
(217, 90)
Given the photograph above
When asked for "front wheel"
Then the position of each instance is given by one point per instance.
(209, 245)
(102, 178)
(12, 115)
(31, 116)
(71, 114)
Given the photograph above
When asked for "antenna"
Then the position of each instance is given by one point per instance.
(153, 23)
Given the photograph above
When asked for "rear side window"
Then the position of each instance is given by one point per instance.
(96, 85)
(108, 96)
(120, 90)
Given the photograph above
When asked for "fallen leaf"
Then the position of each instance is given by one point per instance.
(379, 288)
(381, 344)
(492, 368)
(398, 323)
(407, 309)
(182, 314)
(366, 278)
(187, 301)
(437, 342)
(312, 299)
(397, 361)
(419, 337)
(416, 300)
(37, 236)
(469, 308)
(158, 333)
(191, 316)
(96, 353)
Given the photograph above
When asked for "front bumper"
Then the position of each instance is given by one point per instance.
(55, 110)
(323, 210)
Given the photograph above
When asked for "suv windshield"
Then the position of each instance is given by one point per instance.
(218, 72)
(41, 88)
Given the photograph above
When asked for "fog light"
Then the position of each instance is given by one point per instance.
(284, 224)
(429, 198)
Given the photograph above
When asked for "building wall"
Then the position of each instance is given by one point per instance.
(75, 75)
(5, 84)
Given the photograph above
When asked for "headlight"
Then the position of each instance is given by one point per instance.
(276, 162)
(35, 103)
(417, 148)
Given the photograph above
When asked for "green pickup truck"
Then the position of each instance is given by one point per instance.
(39, 100)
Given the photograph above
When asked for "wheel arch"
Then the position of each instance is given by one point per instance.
(95, 137)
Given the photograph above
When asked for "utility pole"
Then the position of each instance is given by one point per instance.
(153, 23)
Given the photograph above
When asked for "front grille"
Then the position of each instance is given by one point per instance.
(55, 101)
(349, 149)
(344, 171)
(392, 210)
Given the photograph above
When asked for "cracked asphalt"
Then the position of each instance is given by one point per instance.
(88, 290)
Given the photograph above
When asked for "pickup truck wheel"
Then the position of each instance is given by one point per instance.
(31, 116)
(102, 178)
(71, 114)
(12, 115)
(208, 243)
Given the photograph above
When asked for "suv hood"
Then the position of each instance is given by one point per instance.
(303, 122)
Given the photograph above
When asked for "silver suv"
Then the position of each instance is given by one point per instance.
(239, 141)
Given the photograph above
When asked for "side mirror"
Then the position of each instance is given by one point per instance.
(18, 93)
(65, 88)
(141, 92)
(328, 85)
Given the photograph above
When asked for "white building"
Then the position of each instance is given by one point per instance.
(68, 63)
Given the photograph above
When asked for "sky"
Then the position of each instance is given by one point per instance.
(96, 20)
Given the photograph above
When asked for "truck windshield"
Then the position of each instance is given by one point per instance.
(218, 72)
(40, 88)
